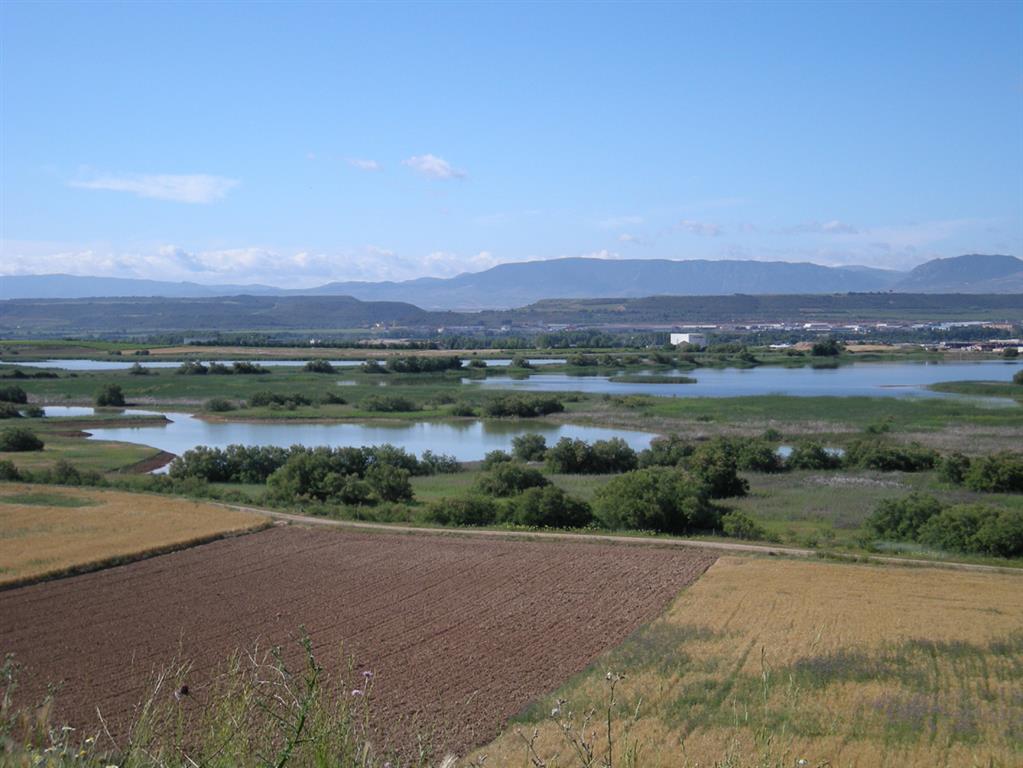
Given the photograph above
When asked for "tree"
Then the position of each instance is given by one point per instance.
(110, 396)
(529, 447)
(826, 348)
(548, 507)
(19, 439)
(655, 499)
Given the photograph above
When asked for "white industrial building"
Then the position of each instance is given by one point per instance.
(696, 339)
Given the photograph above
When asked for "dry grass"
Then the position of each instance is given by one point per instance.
(768, 662)
(50, 530)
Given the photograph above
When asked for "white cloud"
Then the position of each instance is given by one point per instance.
(363, 165)
(625, 237)
(702, 228)
(181, 188)
(434, 167)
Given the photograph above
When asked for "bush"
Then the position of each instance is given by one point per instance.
(714, 464)
(902, 519)
(889, 457)
(1017, 377)
(332, 399)
(266, 398)
(953, 468)
(318, 366)
(976, 529)
(826, 348)
(192, 368)
(739, 525)
(372, 366)
(548, 507)
(431, 463)
(243, 368)
(529, 447)
(471, 510)
(811, 455)
(463, 409)
(12, 393)
(998, 473)
(35, 412)
(110, 396)
(509, 479)
(603, 457)
(20, 439)
(8, 471)
(219, 405)
(521, 361)
(138, 370)
(523, 406)
(9, 411)
(477, 362)
(667, 451)
(753, 455)
(388, 404)
(493, 458)
(422, 364)
(655, 499)
(390, 483)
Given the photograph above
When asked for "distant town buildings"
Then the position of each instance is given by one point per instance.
(696, 339)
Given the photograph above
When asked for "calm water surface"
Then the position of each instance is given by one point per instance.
(466, 441)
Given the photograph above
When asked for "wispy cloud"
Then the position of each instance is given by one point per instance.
(833, 227)
(434, 167)
(625, 237)
(619, 222)
(194, 188)
(363, 165)
(702, 228)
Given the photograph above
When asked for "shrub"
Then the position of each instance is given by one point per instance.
(902, 519)
(521, 361)
(277, 400)
(603, 457)
(12, 393)
(20, 439)
(431, 463)
(372, 366)
(999, 473)
(1017, 377)
(977, 529)
(667, 451)
(715, 465)
(529, 447)
(192, 368)
(422, 364)
(390, 483)
(509, 479)
(655, 499)
(739, 525)
(8, 471)
(64, 472)
(318, 366)
(548, 507)
(493, 458)
(523, 406)
(826, 348)
(1010, 353)
(753, 455)
(35, 412)
(811, 455)
(953, 468)
(477, 362)
(138, 370)
(110, 396)
(219, 405)
(388, 404)
(332, 399)
(470, 510)
(463, 409)
(889, 457)
(9, 411)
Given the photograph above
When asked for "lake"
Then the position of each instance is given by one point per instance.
(864, 379)
(466, 441)
(123, 364)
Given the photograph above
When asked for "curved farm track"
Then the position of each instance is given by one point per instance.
(460, 633)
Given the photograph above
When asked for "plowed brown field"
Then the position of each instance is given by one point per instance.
(459, 633)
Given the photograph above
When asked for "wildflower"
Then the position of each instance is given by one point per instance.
(556, 711)
(357, 692)
(367, 674)
(802, 761)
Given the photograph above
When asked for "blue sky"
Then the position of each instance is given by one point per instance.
(294, 144)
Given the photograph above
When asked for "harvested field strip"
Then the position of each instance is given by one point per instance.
(773, 661)
(460, 633)
(47, 531)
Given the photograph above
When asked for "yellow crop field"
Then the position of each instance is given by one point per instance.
(50, 529)
(770, 663)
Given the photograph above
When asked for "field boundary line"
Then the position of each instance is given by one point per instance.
(721, 546)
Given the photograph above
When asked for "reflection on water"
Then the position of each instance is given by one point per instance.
(465, 440)
(864, 379)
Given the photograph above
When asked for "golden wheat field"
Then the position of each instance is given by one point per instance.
(49, 529)
(768, 662)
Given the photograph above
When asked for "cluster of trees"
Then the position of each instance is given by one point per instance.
(413, 364)
(523, 406)
(267, 399)
(602, 457)
(110, 396)
(318, 366)
(241, 367)
(255, 464)
(19, 439)
(388, 404)
(998, 473)
(12, 393)
(970, 528)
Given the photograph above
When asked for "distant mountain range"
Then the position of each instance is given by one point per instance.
(522, 283)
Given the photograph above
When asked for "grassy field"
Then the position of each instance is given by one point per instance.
(768, 662)
(46, 530)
